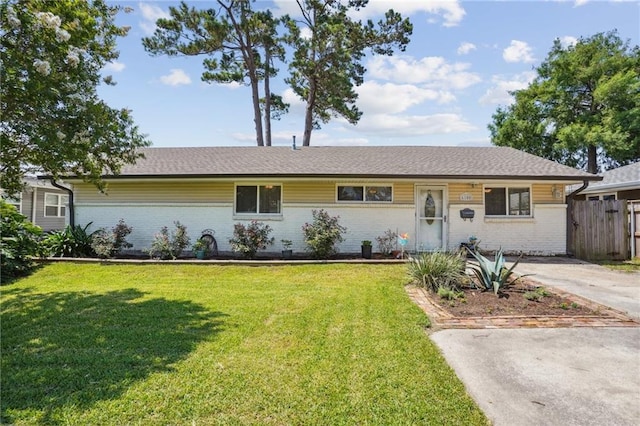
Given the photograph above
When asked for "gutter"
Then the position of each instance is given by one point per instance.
(72, 218)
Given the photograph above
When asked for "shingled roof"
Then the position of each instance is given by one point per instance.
(622, 178)
(374, 162)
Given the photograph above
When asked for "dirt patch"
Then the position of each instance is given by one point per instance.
(526, 297)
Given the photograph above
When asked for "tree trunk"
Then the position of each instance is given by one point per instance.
(592, 160)
(308, 115)
(267, 98)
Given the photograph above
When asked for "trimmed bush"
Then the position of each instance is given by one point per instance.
(322, 235)
(165, 246)
(248, 240)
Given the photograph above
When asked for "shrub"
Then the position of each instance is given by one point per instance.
(387, 242)
(72, 241)
(165, 246)
(248, 240)
(437, 269)
(492, 275)
(19, 243)
(108, 244)
(323, 234)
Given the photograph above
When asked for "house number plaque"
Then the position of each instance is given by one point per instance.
(465, 196)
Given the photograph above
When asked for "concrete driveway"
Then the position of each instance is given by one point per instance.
(556, 376)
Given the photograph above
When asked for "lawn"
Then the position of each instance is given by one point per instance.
(203, 344)
(632, 265)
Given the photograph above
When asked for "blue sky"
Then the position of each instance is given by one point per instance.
(463, 59)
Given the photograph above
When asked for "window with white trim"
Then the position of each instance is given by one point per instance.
(258, 199)
(55, 205)
(14, 201)
(365, 193)
(507, 201)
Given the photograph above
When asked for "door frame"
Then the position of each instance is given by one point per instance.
(419, 212)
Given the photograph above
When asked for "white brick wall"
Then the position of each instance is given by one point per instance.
(544, 233)
(362, 222)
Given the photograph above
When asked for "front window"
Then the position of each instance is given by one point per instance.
(363, 193)
(258, 199)
(507, 201)
(55, 205)
(14, 201)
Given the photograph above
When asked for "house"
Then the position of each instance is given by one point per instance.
(440, 196)
(42, 203)
(622, 183)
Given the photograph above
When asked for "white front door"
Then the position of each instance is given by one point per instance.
(431, 218)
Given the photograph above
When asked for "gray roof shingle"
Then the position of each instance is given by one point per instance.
(622, 177)
(374, 161)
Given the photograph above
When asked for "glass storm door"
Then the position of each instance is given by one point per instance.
(431, 218)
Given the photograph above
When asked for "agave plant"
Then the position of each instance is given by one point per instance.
(493, 275)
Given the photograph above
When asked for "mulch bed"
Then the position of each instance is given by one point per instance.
(512, 301)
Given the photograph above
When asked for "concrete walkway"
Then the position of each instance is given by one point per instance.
(556, 376)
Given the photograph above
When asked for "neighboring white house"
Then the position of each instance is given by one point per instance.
(42, 203)
(622, 183)
(516, 199)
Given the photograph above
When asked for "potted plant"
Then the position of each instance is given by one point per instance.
(287, 253)
(200, 248)
(366, 249)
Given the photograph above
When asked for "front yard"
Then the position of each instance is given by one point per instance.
(202, 344)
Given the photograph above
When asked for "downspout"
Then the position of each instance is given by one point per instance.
(72, 218)
(34, 202)
(571, 223)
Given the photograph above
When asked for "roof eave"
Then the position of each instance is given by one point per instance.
(348, 176)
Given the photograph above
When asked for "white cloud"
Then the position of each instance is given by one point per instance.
(414, 125)
(150, 14)
(579, 3)
(450, 12)
(498, 94)
(114, 66)
(567, 41)
(175, 78)
(433, 71)
(232, 85)
(390, 98)
(518, 51)
(465, 48)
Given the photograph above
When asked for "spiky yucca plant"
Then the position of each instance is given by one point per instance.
(493, 275)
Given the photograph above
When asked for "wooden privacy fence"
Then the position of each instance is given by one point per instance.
(599, 230)
(634, 213)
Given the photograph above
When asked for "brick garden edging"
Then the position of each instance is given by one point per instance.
(440, 318)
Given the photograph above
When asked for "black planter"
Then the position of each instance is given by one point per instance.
(366, 251)
(287, 254)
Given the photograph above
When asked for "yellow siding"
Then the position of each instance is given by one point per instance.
(543, 193)
(457, 189)
(309, 192)
(293, 192)
(403, 193)
(157, 192)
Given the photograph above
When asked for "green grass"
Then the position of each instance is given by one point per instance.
(197, 344)
(632, 265)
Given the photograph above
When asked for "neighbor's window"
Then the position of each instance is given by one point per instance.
(505, 201)
(55, 205)
(14, 201)
(258, 199)
(381, 194)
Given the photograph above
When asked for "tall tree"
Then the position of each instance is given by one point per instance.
(52, 120)
(240, 45)
(582, 109)
(329, 47)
